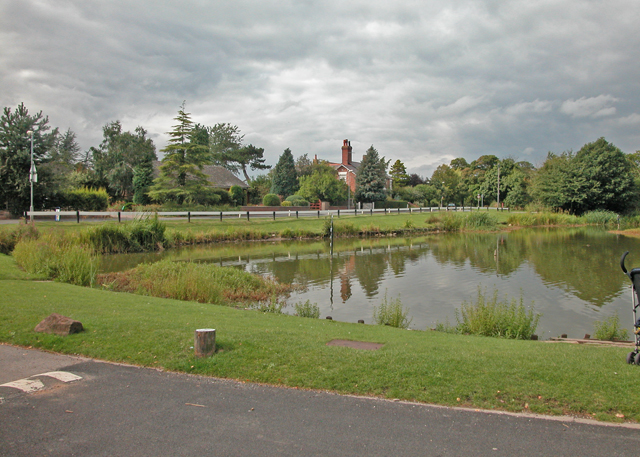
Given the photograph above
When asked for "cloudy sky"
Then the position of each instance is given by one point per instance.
(423, 81)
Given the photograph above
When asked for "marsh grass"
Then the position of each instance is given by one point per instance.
(269, 306)
(479, 220)
(199, 282)
(609, 329)
(392, 313)
(600, 217)
(140, 235)
(58, 257)
(489, 316)
(10, 236)
(542, 219)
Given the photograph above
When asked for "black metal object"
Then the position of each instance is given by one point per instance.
(634, 276)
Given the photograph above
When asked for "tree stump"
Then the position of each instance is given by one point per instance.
(205, 342)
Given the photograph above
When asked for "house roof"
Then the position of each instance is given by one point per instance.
(219, 177)
(353, 166)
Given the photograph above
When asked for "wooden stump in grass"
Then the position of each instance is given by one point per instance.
(205, 342)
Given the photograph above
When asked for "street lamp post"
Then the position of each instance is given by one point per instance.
(32, 174)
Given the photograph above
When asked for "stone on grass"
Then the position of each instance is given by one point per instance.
(60, 325)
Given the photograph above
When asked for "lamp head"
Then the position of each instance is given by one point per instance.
(29, 132)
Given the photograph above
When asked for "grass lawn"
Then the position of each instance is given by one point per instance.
(429, 367)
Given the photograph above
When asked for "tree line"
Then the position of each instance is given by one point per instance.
(598, 176)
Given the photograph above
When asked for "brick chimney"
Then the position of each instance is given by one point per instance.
(346, 152)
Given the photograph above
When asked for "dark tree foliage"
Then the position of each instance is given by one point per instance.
(181, 178)
(225, 143)
(415, 180)
(399, 174)
(15, 159)
(323, 184)
(371, 178)
(284, 181)
(118, 155)
(599, 176)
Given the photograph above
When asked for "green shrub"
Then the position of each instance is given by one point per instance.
(271, 200)
(297, 200)
(391, 313)
(307, 309)
(286, 203)
(609, 329)
(86, 199)
(236, 195)
(490, 317)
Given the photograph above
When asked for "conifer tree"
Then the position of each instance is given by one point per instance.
(371, 178)
(181, 178)
(285, 177)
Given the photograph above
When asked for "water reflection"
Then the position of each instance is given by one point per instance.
(572, 275)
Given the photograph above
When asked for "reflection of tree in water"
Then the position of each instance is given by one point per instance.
(369, 270)
(487, 252)
(582, 261)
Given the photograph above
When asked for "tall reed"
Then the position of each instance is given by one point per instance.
(489, 316)
(57, 257)
(392, 313)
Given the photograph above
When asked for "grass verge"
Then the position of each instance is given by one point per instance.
(431, 367)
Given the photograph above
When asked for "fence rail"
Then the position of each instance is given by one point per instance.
(248, 215)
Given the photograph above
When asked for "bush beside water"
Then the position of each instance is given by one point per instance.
(391, 313)
(609, 329)
(489, 316)
(307, 309)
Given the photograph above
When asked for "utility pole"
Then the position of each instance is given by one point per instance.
(498, 207)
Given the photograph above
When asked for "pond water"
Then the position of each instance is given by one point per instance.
(572, 276)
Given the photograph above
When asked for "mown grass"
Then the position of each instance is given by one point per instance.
(278, 349)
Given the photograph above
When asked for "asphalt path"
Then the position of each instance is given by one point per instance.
(120, 410)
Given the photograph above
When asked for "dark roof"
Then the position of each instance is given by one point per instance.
(353, 166)
(219, 177)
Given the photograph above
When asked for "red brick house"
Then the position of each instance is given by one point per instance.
(348, 169)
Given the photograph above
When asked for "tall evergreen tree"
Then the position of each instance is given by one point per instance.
(15, 158)
(399, 174)
(285, 178)
(371, 178)
(181, 178)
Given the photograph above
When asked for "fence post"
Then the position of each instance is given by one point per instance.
(318, 214)
(296, 214)
(247, 215)
(370, 211)
(338, 213)
(118, 217)
(78, 216)
(385, 210)
(220, 216)
(355, 211)
(189, 217)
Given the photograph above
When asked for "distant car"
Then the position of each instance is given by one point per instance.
(451, 205)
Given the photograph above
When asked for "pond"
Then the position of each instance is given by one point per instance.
(572, 276)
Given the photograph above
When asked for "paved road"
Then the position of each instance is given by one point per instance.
(117, 410)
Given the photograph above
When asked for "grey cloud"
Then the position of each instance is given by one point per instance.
(424, 82)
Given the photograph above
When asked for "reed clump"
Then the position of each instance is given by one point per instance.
(140, 235)
(392, 313)
(58, 257)
(600, 217)
(489, 316)
(307, 309)
(9, 237)
(542, 219)
(200, 282)
(609, 329)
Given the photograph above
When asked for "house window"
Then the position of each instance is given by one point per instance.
(342, 175)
